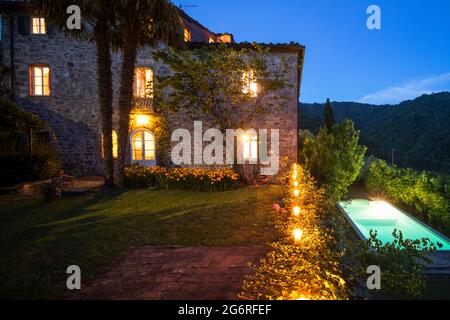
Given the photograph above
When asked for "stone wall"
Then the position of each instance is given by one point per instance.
(72, 110)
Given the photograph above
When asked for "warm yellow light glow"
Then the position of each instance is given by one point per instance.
(296, 211)
(303, 298)
(298, 234)
(143, 146)
(38, 26)
(294, 176)
(142, 120)
(143, 82)
(39, 80)
(115, 145)
(296, 184)
(187, 35)
(250, 84)
(296, 192)
(225, 38)
(295, 166)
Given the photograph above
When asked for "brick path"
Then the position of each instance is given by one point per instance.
(175, 273)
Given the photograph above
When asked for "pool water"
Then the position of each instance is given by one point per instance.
(384, 218)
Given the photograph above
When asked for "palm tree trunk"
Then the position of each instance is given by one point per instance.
(105, 91)
(129, 52)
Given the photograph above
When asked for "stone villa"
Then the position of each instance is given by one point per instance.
(54, 77)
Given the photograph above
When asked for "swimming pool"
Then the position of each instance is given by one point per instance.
(366, 215)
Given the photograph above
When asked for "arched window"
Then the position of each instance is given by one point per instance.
(143, 146)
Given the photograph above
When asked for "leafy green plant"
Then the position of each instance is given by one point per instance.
(402, 263)
(54, 188)
(306, 269)
(335, 159)
(16, 163)
(426, 194)
(209, 83)
(195, 179)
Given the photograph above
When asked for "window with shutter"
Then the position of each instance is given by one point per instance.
(23, 24)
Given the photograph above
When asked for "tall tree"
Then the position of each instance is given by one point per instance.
(335, 159)
(328, 116)
(140, 23)
(97, 23)
(230, 88)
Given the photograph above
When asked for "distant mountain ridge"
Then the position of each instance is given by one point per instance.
(418, 130)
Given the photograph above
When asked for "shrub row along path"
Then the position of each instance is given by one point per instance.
(175, 273)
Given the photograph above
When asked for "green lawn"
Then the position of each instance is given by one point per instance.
(39, 240)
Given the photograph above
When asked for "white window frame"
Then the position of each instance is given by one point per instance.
(40, 24)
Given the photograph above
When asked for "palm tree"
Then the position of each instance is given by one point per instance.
(98, 21)
(140, 23)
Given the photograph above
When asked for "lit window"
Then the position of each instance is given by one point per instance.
(39, 80)
(187, 35)
(250, 85)
(250, 148)
(143, 84)
(143, 146)
(115, 146)
(211, 40)
(38, 26)
(225, 38)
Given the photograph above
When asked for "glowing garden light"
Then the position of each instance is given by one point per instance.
(296, 193)
(296, 184)
(296, 211)
(298, 234)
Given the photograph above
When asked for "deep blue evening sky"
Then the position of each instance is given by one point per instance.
(344, 60)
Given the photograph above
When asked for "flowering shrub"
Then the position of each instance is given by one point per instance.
(196, 179)
(304, 262)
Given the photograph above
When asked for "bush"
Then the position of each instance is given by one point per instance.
(137, 176)
(54, 188)
(334, 159)
(325, 264)
(308, 269)
(195, 179)
(16, 167)
(402, 264)
(425, 194)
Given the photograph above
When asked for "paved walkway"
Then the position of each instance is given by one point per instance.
(175, 273)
